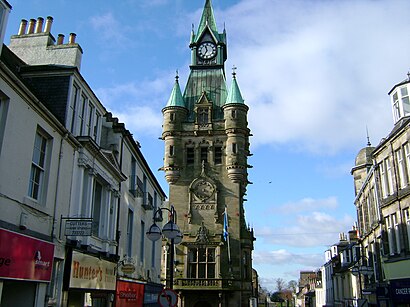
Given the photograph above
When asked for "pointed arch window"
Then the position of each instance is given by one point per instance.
(203, 116)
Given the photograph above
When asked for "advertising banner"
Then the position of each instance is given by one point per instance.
(129, 294)
(88, 272)
(23, 257)
(400, 290)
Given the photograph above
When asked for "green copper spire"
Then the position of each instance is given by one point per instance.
(207, 19)
(234, 95)
(176, 99)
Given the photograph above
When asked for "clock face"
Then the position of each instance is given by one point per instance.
(207, 50)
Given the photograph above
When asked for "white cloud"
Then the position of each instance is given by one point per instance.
(284, 257)
(308, 204)
(319, 71)
(311, 229)
(110, 31)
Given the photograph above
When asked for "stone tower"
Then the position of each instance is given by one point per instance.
(206, 137)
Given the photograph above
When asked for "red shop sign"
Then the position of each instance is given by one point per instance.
(23, 257)
(129, 294)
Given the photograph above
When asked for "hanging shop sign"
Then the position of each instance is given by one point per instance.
(78, 226)
(24, 257)
(129, 294)
(92, 273)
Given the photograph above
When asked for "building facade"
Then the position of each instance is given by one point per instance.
(382, 186)
(78, 191)
(206, 136)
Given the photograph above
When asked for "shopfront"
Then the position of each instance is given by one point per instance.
(26, 265)
(400, 292)
(129, 294)
(91, 281)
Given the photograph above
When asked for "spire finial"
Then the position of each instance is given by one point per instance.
(408, 75)
(368, 138)
(234, 68)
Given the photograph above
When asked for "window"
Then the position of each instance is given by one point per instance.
(3, 115)
(190, 155)
(201, 262)
(171, 150)
(406, 213)
(234, 148)
(386, 177)
(155, 200)
(405, 100)
(402, 168)
(96, 132)
(393, 234)
(82, 115)
(97, 208)
(73, 108)
(142, 241)
(396, 107)
(234, 114)
(90, 118)
(133, 176)
(203, 116)
(401, 103)
(130, 225)
(140, 188)
(218, 154)
(38, 167)
(204, 154)
(172, 117)
(407, 159)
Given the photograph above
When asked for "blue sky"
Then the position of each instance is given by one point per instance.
(315, 74)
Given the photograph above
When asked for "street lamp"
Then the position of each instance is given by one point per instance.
(171, 232)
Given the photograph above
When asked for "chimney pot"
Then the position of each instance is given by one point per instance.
(23, 26)
(60, 39)
(31, 25)
(39, 24)
(71, 39)
(49, 22)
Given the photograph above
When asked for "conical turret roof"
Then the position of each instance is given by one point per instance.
(234, 94)
(176, 99)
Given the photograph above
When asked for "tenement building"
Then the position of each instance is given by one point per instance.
(206, 136)
(76, 193)
(382, 188)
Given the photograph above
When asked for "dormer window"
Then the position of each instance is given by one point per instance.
(400, 102)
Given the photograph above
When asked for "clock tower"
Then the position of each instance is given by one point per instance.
(206, 136)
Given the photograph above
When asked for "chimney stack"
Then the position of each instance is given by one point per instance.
(71, 38)
(60, 39)
(49, 22)
(39, 25)
(31, 25)
(23, 26)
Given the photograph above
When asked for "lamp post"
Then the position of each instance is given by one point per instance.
(171, 232)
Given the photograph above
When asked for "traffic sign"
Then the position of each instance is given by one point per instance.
(167, 298)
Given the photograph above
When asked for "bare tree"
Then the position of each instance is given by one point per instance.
(280, 284)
